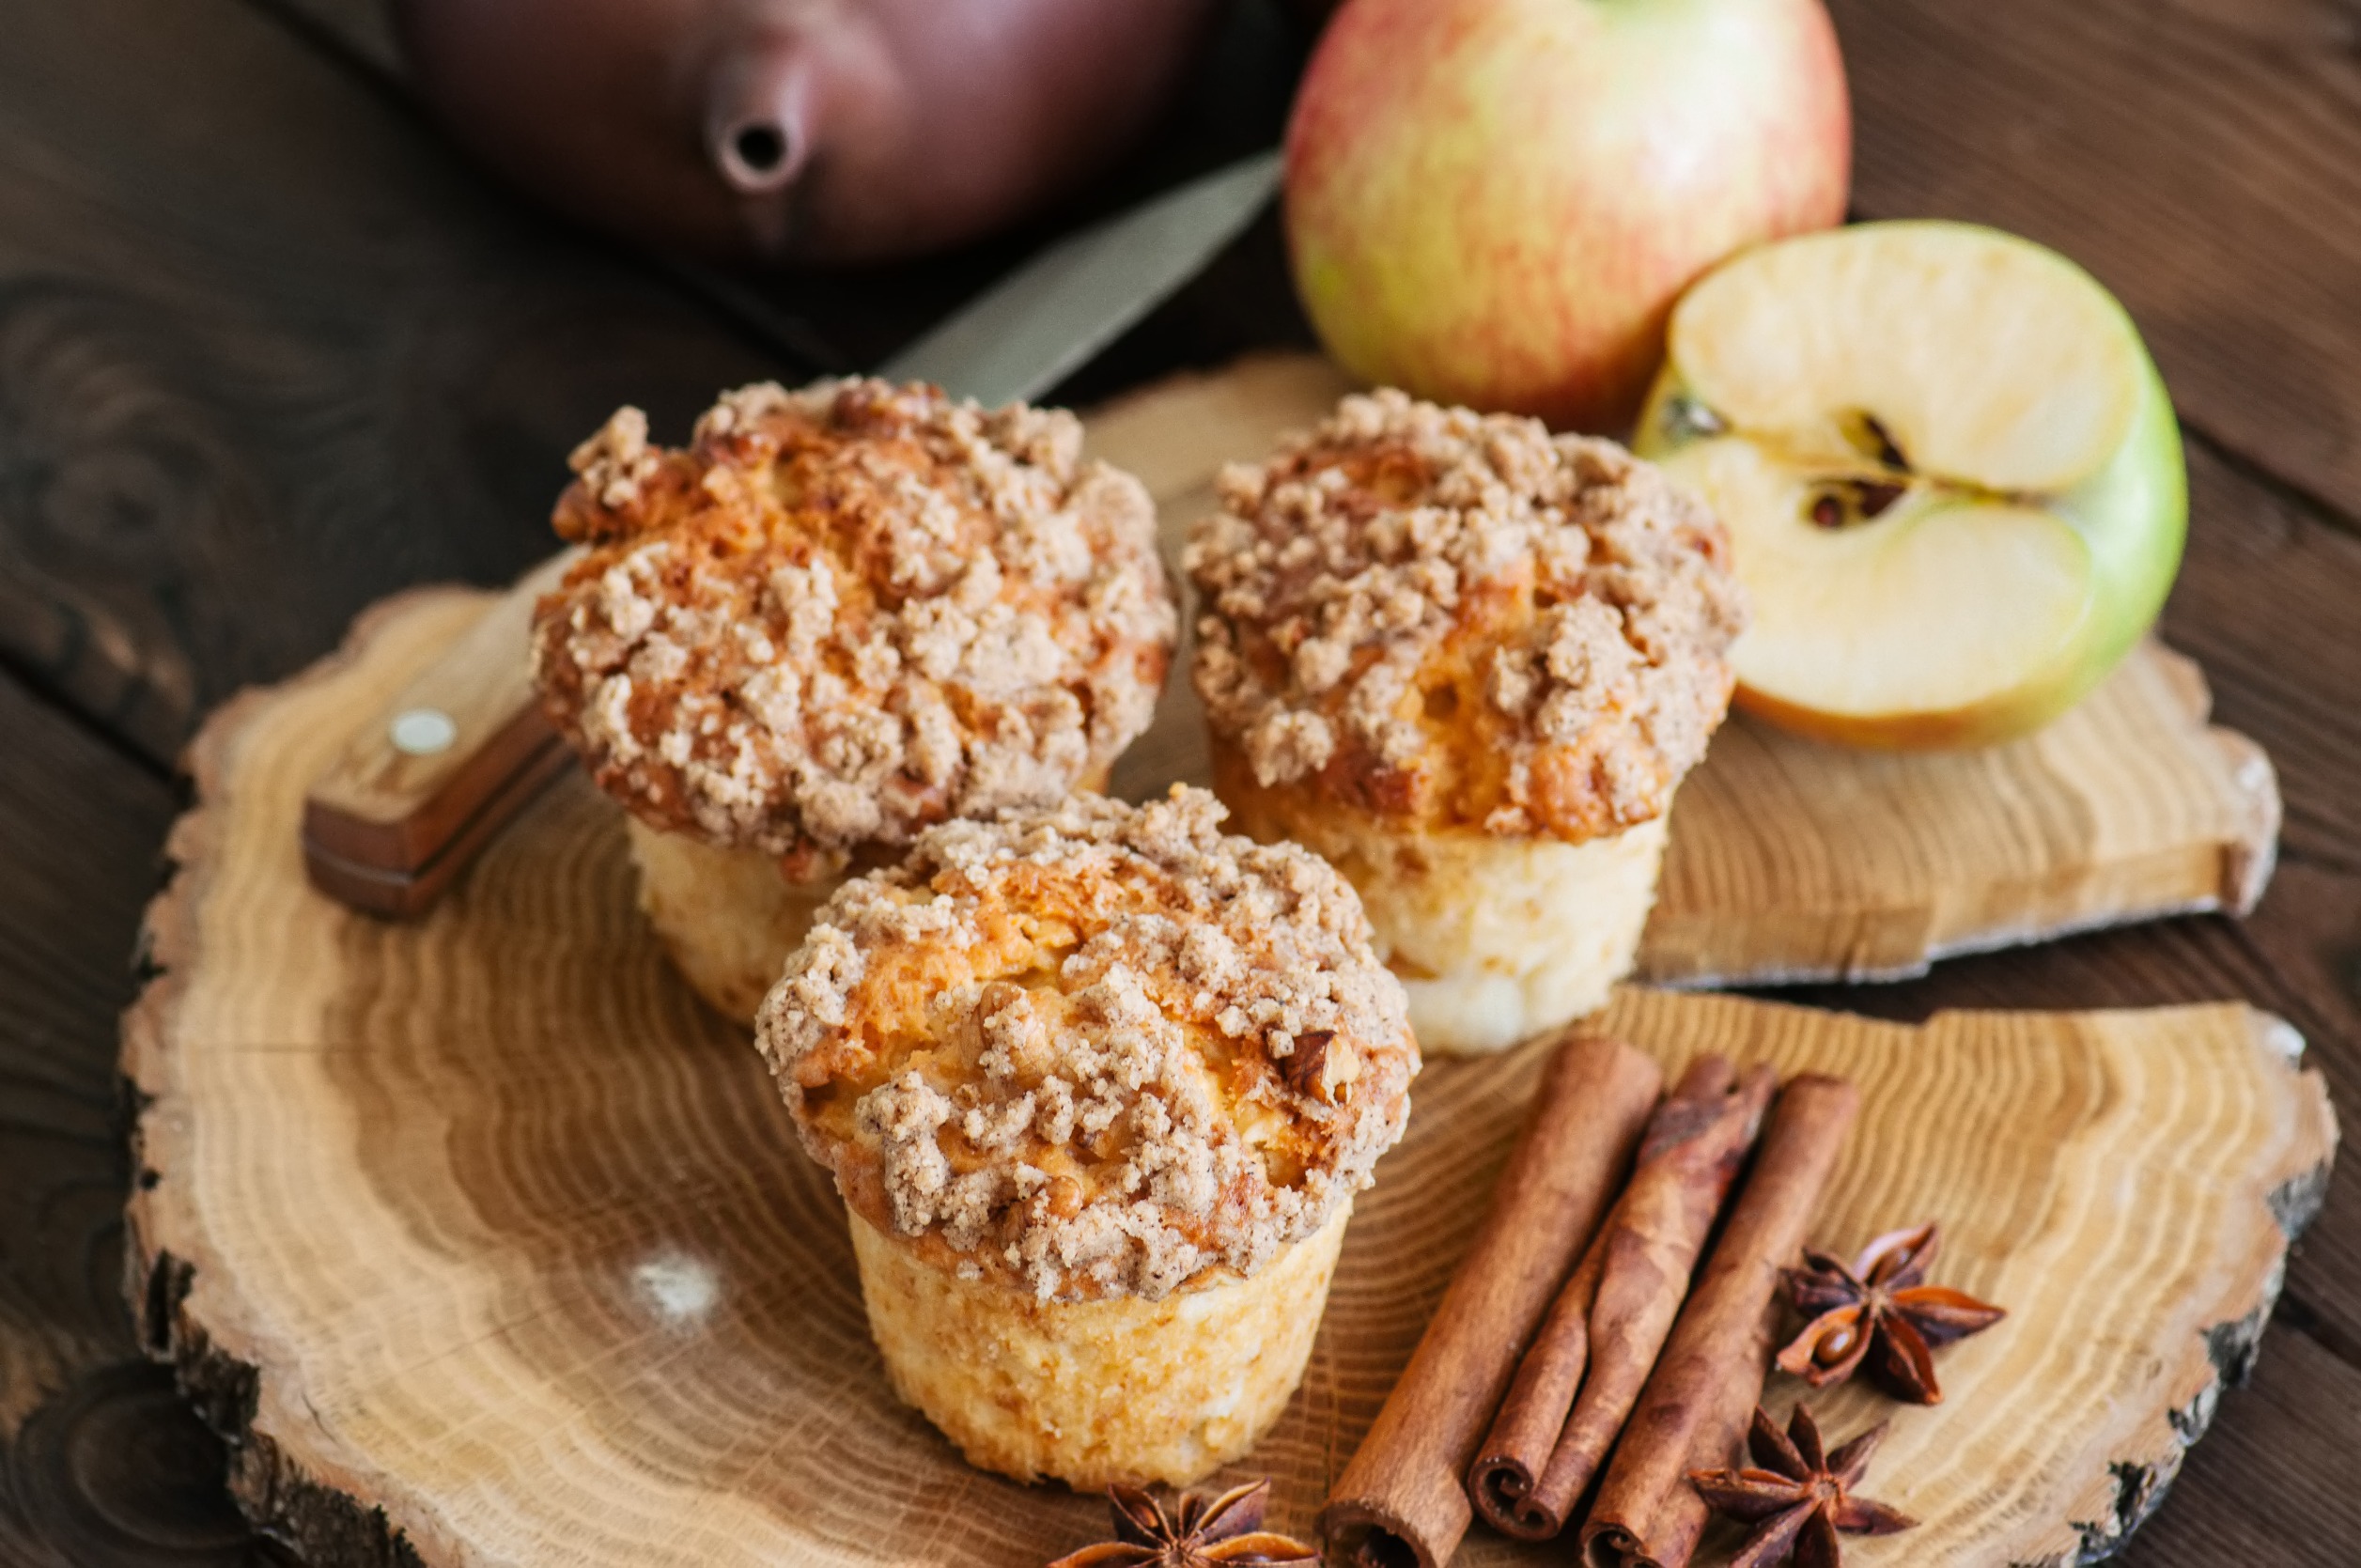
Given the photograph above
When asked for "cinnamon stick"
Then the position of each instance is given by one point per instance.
(1710, 1376)
(1401, 1501)
(1593, 1356)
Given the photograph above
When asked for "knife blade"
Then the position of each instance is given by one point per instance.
(418, 790)
(1049, 317)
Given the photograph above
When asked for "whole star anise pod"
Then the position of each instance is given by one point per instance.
(1198, 1532)
(1796, 1497)
(1882, 1304)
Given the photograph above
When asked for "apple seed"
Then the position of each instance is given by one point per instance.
(1885, 449)
(1842, 503)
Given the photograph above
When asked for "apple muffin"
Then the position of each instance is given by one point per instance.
(1099, 1084)
(1468, 662)
(840, 616)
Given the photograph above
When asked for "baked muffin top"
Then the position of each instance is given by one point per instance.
(847, 611)
(1095, 1051)
(1462, 621)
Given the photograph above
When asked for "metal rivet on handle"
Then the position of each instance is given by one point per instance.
(423, 732)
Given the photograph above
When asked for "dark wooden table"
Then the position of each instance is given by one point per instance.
(270, 349)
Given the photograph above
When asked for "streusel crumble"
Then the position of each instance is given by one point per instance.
(1461, 619)
(847, 611)
(1100, 1050)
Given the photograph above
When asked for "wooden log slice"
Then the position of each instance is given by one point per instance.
(482, 1243)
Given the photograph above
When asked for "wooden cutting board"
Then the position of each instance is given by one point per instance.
(1792, 860)
(484, 1243)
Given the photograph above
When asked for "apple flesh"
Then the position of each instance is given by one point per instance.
(1495, 202)
(1950, 471)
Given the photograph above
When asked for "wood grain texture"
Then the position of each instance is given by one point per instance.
(1795, 861)
(2202, 157)
(78, 826)
(1792, 860)
(115, 1471)
(485, 1223)
(268, 352)
(102, 1463)
(2268, 600)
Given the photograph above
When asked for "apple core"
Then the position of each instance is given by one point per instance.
(1949, 469)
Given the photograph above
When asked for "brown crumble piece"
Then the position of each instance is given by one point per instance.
(1463, 621)
(847, 611)
(1095, 1051)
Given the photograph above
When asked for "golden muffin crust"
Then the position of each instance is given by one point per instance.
(1460, 620)
(1095, 1051)
(847, 611)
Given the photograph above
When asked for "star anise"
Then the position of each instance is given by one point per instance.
(1198, 1532)
(1796, 1497)
(1883, 1304)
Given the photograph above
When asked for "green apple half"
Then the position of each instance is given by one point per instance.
(1950, 471)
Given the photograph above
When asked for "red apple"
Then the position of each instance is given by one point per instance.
(1495, 202)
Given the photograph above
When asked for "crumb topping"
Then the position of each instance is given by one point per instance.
(847, 611)
(1462, 619)
(1097, 1050)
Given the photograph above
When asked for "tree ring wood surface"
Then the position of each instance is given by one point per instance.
(482, 1243)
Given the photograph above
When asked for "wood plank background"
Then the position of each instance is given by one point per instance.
(269, 350)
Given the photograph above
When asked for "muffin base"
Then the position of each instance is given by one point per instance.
(1496, 938)
(1094, 1392)
(728, 917)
